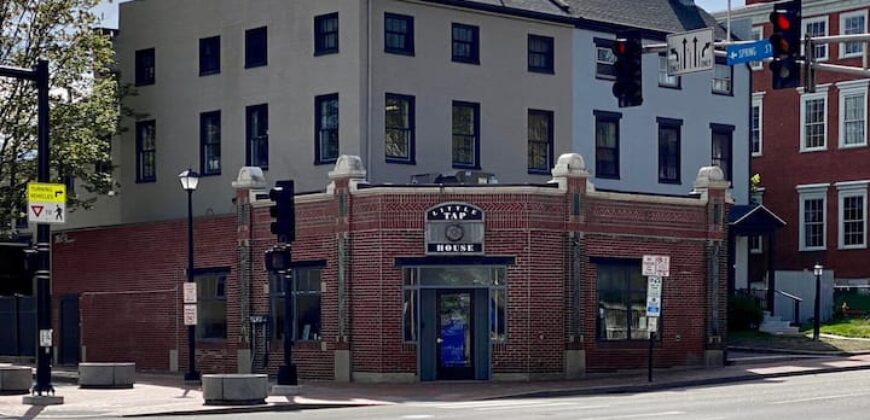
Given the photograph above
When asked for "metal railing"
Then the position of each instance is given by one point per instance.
(796, 301)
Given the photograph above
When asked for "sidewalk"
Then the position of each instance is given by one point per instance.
(165, 394)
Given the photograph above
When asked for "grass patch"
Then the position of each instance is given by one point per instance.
(794, 342)
(850, 327)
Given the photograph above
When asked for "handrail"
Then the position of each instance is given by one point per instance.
(788, 295)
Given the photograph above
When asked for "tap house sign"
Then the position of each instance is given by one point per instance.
(454, 229)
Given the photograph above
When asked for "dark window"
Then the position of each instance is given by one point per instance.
(326, 128)
(466, 44)
(146, 67)
(607, 144)
(398, 34)
(621, 302)
(540, 155)
(70, 182)
(466, 135)
(211, 305)
(146, 151)
(256, 47)
(669, 150)
(399, 124)
(541, 54)
(209, 55)
(721, 148)
(604, 59)
(257, 127)
(210, 143)
(326, 34)
(306, 304)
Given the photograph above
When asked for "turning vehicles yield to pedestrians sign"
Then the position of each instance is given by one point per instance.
(46, 203)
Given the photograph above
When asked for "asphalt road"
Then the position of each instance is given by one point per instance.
(826, 396)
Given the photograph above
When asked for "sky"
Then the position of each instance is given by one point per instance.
(109, 9)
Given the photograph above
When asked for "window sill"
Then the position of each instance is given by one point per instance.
(852, 55)
(756, 251)
(409, 53)
(670, 181)
(851, 247)
(722, 93)
(461, 61)
(757, 154)
(255, 65)
(615, 177)
(400, 161)
(539, 172)
(325, 52)
(325, 162)
(852, 146)
(140, 84)
(466, 167)
(209, 73)
(814, 149)
(605, 77)
(146, 181)
(209, 174)
(672, 87)
(542, 71)
(814, 249)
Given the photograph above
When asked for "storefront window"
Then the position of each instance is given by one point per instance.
(306, 304)
(621, 302)
(211, 305)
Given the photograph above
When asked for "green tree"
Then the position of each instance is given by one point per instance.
(85, 100)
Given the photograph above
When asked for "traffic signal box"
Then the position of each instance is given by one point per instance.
(786, 42)
(282, 211)
(628, 88)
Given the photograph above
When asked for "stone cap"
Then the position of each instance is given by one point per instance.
(570, 165)
(710, 177)
(348, 166)
(250, 177)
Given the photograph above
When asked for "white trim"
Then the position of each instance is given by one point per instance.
(841, 196)
(803, 197)
(851, 91)
(760, 248)
(821, 88)
(843, 17)
(815, 19)
(758, 207)
(852, 84)
(808, 187)
(851, 185)
(804, 99)
(757, 101)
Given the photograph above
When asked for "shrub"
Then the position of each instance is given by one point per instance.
(744, 313)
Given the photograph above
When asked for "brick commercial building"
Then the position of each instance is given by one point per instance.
(414, 282)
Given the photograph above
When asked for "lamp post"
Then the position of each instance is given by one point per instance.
(189, 180)
(817, 270)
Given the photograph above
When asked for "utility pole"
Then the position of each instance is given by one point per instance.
(43, 387)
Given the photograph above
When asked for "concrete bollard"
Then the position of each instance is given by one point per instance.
(15, 379)
(107, 375)
(235, 389)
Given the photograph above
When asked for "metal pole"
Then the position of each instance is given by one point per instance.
(728, 38)
(192, 374)
(652, 339)
(287, 372)
(43, 242)
(816, 308)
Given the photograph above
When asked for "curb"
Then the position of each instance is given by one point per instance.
(803, 352)
(279, 407)
(649, 387)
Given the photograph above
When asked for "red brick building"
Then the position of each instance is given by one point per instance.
(417, 282)
(811, 149)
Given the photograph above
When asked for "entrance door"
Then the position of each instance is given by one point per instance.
(69, 330)
(455, 334)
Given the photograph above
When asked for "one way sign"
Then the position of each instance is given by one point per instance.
(690, 52)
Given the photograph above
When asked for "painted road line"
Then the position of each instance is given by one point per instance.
(545, 405)
(828, 397)
(644, 415)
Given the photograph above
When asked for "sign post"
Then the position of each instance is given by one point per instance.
(655, 267)
(690, 52)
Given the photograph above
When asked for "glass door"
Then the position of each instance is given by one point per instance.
(455, 335)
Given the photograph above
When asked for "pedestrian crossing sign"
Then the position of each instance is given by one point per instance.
(46, 203)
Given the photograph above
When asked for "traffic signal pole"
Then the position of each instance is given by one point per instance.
(40, 76)
(278, 260)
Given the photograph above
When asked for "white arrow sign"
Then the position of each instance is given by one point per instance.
(690, 52)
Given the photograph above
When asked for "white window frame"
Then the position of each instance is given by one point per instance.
(666, 80)
(846, 190)
(758, 100)
(816, 19)
(757, 34)
(805, 97)
(758, 249)
(848, 89)
(843, 17)
(812, 192)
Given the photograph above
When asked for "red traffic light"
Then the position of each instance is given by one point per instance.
(620, 48)
(781, 21)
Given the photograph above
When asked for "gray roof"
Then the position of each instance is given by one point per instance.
(669, 16)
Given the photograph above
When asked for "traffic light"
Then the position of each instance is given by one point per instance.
(628, 88)
(282, 211)
(786, 42)
(278, 259)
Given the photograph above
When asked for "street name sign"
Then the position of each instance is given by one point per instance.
(46, 203)
(656, 265)
(745, 53)
(654, 296)
(690, 52)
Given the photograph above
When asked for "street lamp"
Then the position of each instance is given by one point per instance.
(817, 270)
(189, 180)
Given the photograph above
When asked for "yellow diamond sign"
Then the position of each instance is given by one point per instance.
(46, 203)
